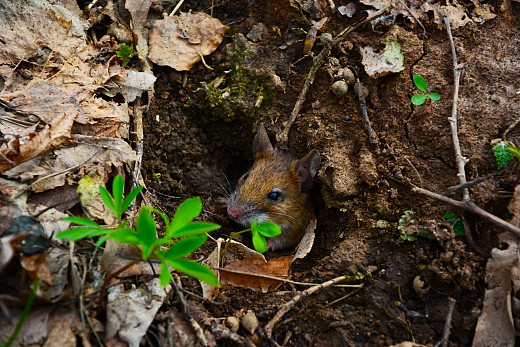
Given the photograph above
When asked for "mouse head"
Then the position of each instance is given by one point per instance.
(276, 187)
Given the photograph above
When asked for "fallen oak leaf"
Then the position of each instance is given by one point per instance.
(249, 268)
(180, 41)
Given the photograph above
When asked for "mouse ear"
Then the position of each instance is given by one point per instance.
(306, 169)
(262, 147)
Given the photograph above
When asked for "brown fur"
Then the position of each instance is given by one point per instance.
(280, 171)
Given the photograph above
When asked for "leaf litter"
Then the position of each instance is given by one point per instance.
(64, 115)
(57, 119)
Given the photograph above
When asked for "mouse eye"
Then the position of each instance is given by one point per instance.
(275, 196)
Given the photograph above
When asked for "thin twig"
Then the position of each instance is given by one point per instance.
(139, 133)
(196, 327)
(343, 297)
(413, 15)
(471, 207)
(515, 123)
(283, 279)
(176, 7)
(447, 326)
(289, 305)
(283, 137)
(358, 89)
(460, 161)
(203, 61)
(454, 189)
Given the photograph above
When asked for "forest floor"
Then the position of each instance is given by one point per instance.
(409, 257)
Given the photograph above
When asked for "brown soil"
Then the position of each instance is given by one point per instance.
(362, 189)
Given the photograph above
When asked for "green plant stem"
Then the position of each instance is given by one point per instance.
(25, 313)
(231, 237)
(514, 151)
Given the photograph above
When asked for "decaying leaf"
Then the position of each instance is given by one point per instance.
(117, 255)
(389, 60)
(88, 152)
(347, 10)
(130, 312)
(25, 27)
(139, 11)
(305, 245)
(417, 10)
(311, 35)
(13, 202)
(88, 191)
(35, 329)
(132, 84)
(277, 267)
(179, 41)
(241, 258)
(495, 325)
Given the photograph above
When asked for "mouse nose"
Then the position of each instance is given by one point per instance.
(234, 212)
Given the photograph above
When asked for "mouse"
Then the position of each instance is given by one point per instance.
(277, 188)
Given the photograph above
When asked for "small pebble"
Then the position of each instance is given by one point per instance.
(339, 88)
(250, 322)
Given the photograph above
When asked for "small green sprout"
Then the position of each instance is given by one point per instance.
(182, 235)
(456, 223)
(504, 152)
(25, 313)
(126, 53)
(419, 99)
(259, 231)
(262, 230)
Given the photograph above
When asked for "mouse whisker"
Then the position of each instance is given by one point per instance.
(216, 179)
(285, 215)
(227, 181)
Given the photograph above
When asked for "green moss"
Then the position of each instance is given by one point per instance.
(238, 91)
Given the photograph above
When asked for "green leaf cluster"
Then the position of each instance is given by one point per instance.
(262, 230)
(504, 152)
(126, 53)
(456, 223)
(182, 234)
(419, 99)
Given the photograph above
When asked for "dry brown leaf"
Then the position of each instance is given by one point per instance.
(35, 265)
(60, 198)
(116, 256)
(52, 135)
(415, 10)
(130, 312)
(139, 12)
(63, 328)
(88, 152)
(277, 267)
(34, 331)
(455, 12)
(495, 325)
(305, 245)
(12, 202)
(24, 29)
(179, 41)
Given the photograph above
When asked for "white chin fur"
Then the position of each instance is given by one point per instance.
(247, 221)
